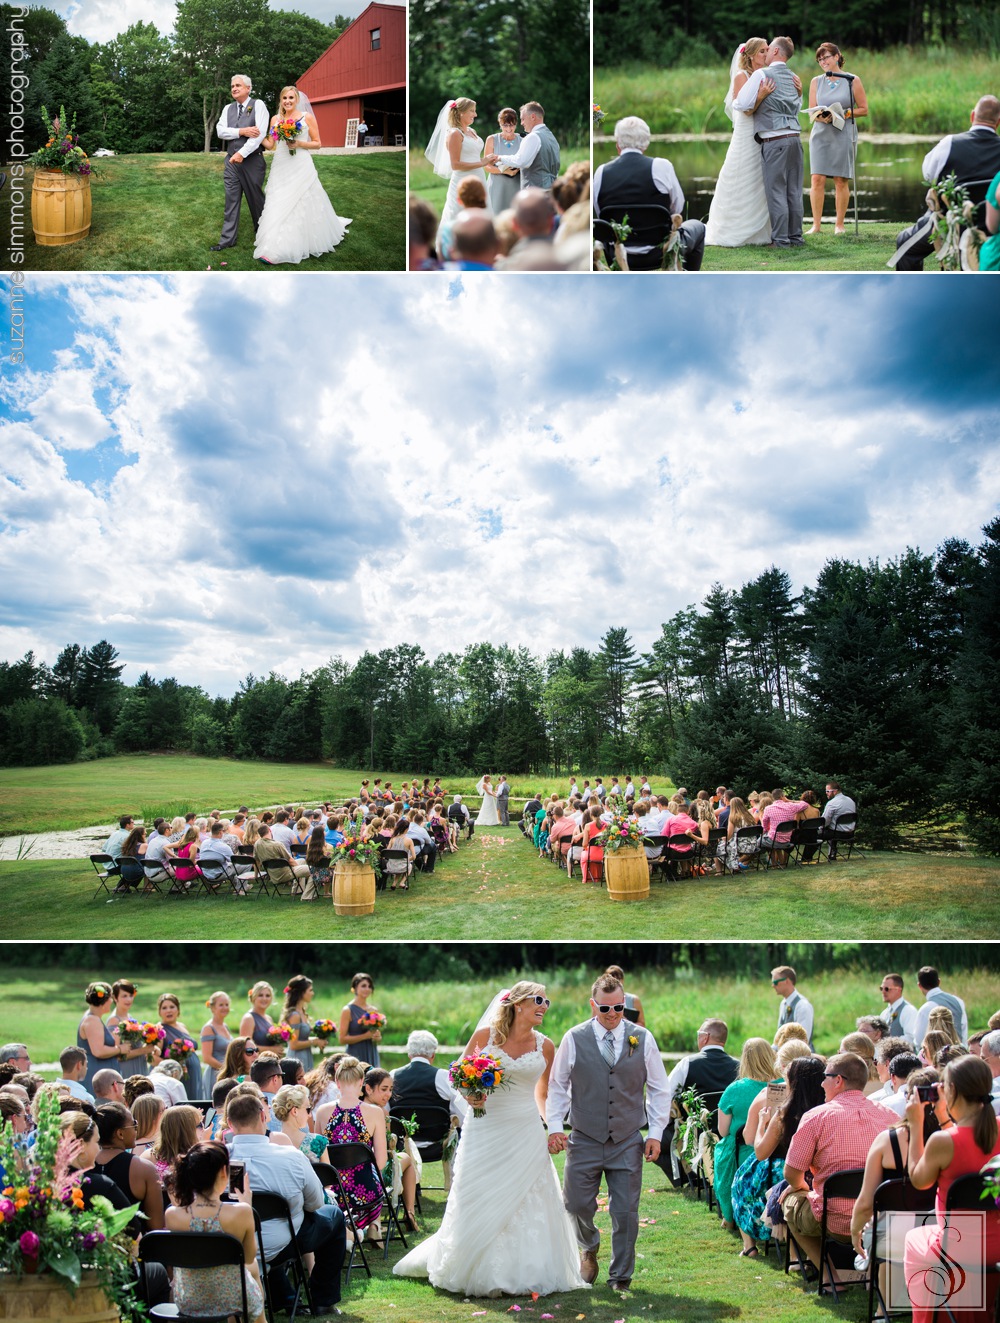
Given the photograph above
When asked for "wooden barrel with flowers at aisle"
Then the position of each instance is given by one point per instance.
(625, 868)
(354, 860)
(60, 191)
(45, 1296)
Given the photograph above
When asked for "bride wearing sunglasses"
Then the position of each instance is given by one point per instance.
(505, 1230)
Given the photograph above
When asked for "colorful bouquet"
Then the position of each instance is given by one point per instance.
(354, 849)
(278, 1035)
(62, 151)
(179, 1050)
(287, 131)
(599, 115)
(136, 1033)
(621, 832)
(372, 1019)
(477, 1075)
(324, 1029)
(44, 1227)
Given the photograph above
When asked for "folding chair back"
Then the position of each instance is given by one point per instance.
(329, 1176)
(130, 870)
(748, 837)
(104, 866)
(280, 877)
(270, 1207)
(194, 1249)
(781, 840)
(344, 1157)
(841, 1185)
(892, 1196)
(397, 855)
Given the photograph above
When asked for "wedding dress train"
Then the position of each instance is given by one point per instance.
(488, 815)
(505, 1230)
(738, 214)
(298, 220)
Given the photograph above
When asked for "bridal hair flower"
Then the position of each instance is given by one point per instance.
(505, 995)
(452, 105)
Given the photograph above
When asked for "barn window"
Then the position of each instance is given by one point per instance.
(376, 34)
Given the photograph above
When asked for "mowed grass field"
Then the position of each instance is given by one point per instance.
(495, 888)
(163, 212)
(42, 1007)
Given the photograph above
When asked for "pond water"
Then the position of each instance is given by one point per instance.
(890, 186)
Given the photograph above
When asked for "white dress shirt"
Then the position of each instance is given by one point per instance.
(746, 97)
(904, 1014)
(530, 147)
(802, 1014)
(283, 834)
(278, 1169)
(557, 1106)
(445, 1091)
(260, 118)
(677, 1079)
(76, 1089)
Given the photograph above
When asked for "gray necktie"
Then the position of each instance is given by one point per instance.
(608, 1048)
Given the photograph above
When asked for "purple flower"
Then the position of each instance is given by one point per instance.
(29, 1245)
(7, 1210)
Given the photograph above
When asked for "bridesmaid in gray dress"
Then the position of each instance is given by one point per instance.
(501, 189)
(360, 1039)
(93, 1035)
(136, 1061)
(298, 994)
(831, 150)
(215, 1040)
(169, 1009)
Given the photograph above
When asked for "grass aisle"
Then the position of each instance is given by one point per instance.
(163, 212)
(496, 888)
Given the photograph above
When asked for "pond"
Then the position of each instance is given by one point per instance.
(890, 186)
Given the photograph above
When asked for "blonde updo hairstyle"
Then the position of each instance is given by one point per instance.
(260, 986)
(503, 1020)
(287, 1097)
(753, 46)
(786, 1054)
(458, 109)
(349, 1069)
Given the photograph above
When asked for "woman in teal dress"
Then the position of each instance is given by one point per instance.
(756, 1068)
(989, 254)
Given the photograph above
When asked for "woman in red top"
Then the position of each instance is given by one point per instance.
(960, 1149)
(187, 851)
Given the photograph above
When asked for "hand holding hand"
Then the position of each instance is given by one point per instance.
(557, 1141)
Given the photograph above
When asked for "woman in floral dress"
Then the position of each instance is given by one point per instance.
(353, 1121)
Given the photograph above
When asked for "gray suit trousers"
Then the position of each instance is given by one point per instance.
(621, 1165)
(243, 181)
(502, 802)
(782, 160)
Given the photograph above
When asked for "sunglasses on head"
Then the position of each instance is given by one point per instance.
(617, 1008)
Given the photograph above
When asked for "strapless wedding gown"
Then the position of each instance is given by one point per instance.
(472, 150)
(298, 220)
(738, 214)
(487, 816)
(505, 1230)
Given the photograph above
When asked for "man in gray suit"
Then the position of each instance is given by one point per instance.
(538, 156)
(608, 1074)
(771, 96)
(243, 127)
(503, 801)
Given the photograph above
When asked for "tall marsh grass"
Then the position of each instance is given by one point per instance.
(928, 91)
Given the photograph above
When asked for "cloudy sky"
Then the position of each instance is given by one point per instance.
(100, 20)
(224, 474)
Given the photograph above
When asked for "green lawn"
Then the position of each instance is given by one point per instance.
(496, 888)
(163, 212)
(875, 244)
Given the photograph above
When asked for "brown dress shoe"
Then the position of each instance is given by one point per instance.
(588, 1266)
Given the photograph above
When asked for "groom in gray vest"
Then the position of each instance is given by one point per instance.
(243, 127)
(537, 158)
(609, 1076)
(771, 96)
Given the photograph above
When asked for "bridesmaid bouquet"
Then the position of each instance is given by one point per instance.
(324, 1029)
(372, 1020)
(278, 1035)
(481, 1074)
(135, 1033)
(287, 131)
(179, 1050)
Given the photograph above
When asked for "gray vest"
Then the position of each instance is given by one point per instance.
(942, 998)
(892, 1018)
(242, 117)
(541, 173)
(779, 112)
(607, 1101)
(787, 1016)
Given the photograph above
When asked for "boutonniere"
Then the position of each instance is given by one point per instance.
(633, 1043)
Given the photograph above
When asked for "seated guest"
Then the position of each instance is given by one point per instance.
(422, 1084)
(109, 1086)
(291, 1109)
(471, 197)
(837, 804)
(401, 840)
(872, 1026)
(634, 179)
(113, 845)
(885, 1050)
(460, 816)
(901, 1067)
(159, 848)
(562, 832)
(266, 1074)
(138, 1086)
(829, 1139)
(134, 1176)
(426, 850)
(990, 1053)
(147, 1112)
(200, 1179)
(780, 810)
(180, 1128)
(319, 1227)
(265, 848)
(217, 850)
(474, 245)
(534, 218)
(318, 855)
(167, 1080)
(861, 1045)
(73, 1064)
(970, 156)
(334, 836)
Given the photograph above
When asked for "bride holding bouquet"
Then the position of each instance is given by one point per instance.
(488, 815)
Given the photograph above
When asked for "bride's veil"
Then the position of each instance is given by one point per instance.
(734, 69)
(436, 150)
(489, 1014)
(304, 107)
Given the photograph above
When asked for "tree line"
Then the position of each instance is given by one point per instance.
(677, 33)
(882, 675)
(146, 92)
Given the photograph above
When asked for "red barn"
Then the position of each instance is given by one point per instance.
(362, 75)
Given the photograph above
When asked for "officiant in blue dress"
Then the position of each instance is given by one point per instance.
(501, 189)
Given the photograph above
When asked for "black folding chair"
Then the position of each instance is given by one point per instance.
(833, 1254)
(780, 844)
(130, 872)
(407, 875)
(805, 841)
(657, 864)
(678, 855)
(968, 1195)
(748, 836)
(892, 1196)
(329, 1177)
(343, 1157)
(651, 226)
(433, 1127)
(193, 1249)
(277, 884)
(708, 852)
(105, 868)
(842, 831)
(270, 1207)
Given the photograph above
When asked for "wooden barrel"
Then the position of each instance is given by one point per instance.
(353, 888)
(44, 1297)
(60, 208)
(627, 873)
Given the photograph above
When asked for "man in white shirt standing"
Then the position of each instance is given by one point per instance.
(929, 983)
(242, 126)
(794, 1008)
(899, 1017)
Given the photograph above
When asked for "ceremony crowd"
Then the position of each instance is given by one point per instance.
(190, 1125)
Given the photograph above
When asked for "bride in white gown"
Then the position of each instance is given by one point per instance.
(505, 1230)
(298, 220)
(738, 214)
(456, 151)
(488, 815)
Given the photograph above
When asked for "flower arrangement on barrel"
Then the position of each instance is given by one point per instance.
(622, 831)
(478, 1076)
(62, 151)
(46, 1227)
(354, 849)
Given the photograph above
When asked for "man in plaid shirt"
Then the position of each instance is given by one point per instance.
(830, 1138)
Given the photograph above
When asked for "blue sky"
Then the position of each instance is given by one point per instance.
(225, 473)
(100, 20)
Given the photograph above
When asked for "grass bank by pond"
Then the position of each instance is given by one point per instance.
(921, 91)
(163, 212)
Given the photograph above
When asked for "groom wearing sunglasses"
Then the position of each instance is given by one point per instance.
(609, 1077)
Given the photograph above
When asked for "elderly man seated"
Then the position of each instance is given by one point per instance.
(638, 180)
(830, 1138)
(422, 1084)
